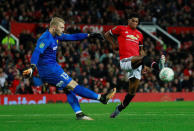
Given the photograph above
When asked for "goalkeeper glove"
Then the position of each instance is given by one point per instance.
(28, 72)
(96, 35)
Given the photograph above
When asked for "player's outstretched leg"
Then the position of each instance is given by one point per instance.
(133, 85)
(157, 66)
(87, 93)
(73, 101)
(162, 62)
(115, 113)
(122, 106)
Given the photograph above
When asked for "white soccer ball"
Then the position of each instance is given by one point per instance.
(166, 74)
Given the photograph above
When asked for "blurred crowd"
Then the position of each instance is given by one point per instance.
(165, 12)
(93, 63)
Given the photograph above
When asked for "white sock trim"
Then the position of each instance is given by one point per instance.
(99, 95)
(78, 112)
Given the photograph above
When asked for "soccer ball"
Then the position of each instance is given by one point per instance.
(166, 74)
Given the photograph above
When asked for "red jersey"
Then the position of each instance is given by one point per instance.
(128, 40)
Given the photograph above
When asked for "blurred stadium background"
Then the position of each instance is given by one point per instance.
(167, 26)
(92, 63)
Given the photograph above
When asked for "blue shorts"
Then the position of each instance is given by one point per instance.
(54, 74)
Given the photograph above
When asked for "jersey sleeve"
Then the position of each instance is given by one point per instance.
(116, 30)
(72, 37)
(40, 47)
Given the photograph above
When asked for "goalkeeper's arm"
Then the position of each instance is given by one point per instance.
(34, 60)
(40, 47)
(28, 72)
(79, 36)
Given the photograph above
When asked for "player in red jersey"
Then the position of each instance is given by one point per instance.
(132, 57)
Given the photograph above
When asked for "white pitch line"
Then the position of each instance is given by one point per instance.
(102, 114)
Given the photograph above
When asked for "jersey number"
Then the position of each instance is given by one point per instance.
(65, 76)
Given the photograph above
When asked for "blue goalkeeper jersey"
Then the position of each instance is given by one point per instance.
(45, 51)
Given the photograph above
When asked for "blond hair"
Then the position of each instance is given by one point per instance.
(55, 21)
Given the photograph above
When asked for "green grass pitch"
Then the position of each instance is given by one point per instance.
(153, 116)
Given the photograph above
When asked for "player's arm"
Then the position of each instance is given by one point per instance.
(141, 50)
(109, 35)
(79, 36)
(40, 47)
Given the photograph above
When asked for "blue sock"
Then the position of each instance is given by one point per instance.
(85, 92)
(73, 101)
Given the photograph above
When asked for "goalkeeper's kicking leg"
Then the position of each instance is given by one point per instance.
(73, 88)
(73, 101)
(87, 93)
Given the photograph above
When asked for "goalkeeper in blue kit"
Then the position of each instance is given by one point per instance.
(44, 59)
